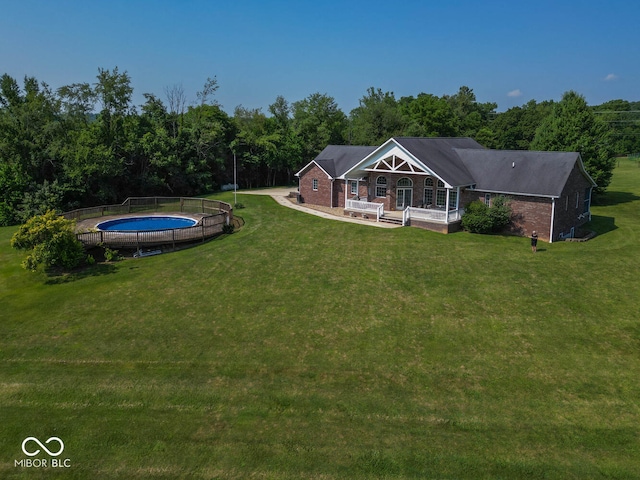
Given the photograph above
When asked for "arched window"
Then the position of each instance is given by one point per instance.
(440, 184)
(381, 187)
(405, 182)
(428, 192)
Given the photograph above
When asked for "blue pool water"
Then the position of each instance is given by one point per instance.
(142, 224)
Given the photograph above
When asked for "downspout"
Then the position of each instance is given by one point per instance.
(590, 197)
(553, 216)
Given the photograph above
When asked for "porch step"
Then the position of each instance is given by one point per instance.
(389, 219)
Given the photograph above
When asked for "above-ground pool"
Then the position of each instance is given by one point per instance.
(145, 224)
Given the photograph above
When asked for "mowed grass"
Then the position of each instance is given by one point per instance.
(301, 347)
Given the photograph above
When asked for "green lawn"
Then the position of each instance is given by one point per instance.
(301, 347)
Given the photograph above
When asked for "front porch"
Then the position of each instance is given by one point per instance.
(429, 218)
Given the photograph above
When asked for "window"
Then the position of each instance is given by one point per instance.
(440, 184)
(441, 198)
(487, 199)
(428, 192)
(315, 184)
(354, 188)
(405, 182)
(428, 196)
(381, 187)
(587, 199)
(453, 199)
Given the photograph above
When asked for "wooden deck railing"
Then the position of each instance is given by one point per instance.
(153, 204)
(431, 215)
(216, 213)
(362, 206)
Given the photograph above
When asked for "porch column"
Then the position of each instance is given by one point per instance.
(446, 206)
(346, 194)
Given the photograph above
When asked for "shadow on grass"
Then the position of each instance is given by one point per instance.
(601, 224)
(614, 198)
(56, 278)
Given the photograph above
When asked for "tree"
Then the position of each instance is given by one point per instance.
(31, 142)
(624, 123)
(318, 122)
(573, 127)
(376, 119)
(516, 128)
(428, 116)
(51, 242)
(472, 116)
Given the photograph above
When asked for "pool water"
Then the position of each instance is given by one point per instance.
(145, 224)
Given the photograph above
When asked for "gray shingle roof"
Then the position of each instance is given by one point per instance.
(439, 154)
(519, 171)
(337, 159)
(463, 161)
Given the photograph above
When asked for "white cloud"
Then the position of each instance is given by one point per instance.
(610, 77)
(515, 93)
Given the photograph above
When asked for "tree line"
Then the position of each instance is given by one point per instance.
(87, 144)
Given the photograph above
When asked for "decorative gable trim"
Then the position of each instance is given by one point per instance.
(395, 164)
(391, 157)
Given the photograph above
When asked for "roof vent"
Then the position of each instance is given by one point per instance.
(513, 164)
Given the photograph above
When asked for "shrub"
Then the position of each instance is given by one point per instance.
(111, 255)
(227, 228)
(51, 240)
(479, 218)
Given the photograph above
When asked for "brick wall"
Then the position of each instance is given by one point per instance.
(527, 213)
(570, 205)
(320, 197)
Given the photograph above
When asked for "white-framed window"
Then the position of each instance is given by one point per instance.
(315, 184)
(441, 198)
(428, 191)
(587, 199)
(453, 199)
(354, 188)
(487, 199)
(440, 184)
(381, 186)
(405, 182)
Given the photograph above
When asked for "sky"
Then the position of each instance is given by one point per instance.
(508, 52)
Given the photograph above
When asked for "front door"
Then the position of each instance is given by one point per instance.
(404, 197)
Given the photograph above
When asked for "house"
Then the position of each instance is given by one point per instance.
(426, 182)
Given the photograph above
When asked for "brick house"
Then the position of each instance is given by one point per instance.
(426, 182)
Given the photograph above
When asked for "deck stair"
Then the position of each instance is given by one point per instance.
(391, 219)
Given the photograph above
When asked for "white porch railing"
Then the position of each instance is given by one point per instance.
(431, 215)
(360, 206)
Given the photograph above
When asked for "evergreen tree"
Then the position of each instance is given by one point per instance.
(573, 127)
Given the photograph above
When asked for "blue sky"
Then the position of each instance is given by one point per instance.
(508, 52)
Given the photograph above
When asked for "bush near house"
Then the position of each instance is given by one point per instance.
(480, 218)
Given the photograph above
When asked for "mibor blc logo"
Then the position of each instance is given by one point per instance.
(53, 447)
